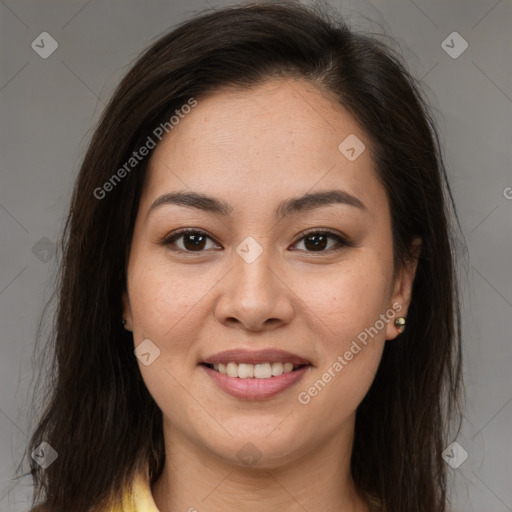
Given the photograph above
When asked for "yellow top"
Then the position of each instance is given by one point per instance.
(138, 498)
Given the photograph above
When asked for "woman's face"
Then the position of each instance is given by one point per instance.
(253, 278)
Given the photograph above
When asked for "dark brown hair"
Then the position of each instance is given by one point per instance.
(99, 416)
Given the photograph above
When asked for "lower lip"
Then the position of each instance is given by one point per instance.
(255, 389)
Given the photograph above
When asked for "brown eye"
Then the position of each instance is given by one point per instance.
(196, 241)
(318, 241)
(191, 241)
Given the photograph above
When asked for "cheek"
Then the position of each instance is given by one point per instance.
(165, 311)
(348, 300)
(350, 354)
(337, 390)
(351, 338)
(164, 301)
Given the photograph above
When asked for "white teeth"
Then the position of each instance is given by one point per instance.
(245, 370)
(277, 369)
(258, 371)
(262, 371)
(232, 369)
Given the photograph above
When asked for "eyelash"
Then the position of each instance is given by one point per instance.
(342, 242)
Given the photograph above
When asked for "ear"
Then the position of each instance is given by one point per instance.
(402, 289)
(127, 311)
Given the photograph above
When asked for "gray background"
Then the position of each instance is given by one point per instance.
(49, 107)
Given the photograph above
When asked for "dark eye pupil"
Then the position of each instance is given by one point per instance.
(196, 241)
(315, 242)
(319, 241)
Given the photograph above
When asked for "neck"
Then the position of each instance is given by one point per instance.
(195, 479)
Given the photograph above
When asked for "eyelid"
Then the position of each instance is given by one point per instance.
(343, 241)
(327, 231)
(168, 239)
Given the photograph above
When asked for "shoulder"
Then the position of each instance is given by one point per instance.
(138, 497)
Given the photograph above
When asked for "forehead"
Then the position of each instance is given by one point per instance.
(281, 137)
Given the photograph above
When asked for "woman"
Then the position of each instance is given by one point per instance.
(258, 306)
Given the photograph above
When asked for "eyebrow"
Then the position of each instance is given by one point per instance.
(294, 205)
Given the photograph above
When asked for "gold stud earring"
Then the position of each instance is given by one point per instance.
(400, 324)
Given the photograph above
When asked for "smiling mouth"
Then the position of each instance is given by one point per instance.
(255, 371)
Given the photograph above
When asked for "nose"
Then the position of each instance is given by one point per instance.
(255, 296)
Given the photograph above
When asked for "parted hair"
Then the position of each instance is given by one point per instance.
(98, 414)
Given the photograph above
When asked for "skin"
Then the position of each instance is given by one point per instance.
(254, 149)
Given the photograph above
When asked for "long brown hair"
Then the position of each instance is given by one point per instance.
(100, 417)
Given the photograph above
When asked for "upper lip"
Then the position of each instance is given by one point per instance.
(269, 355)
